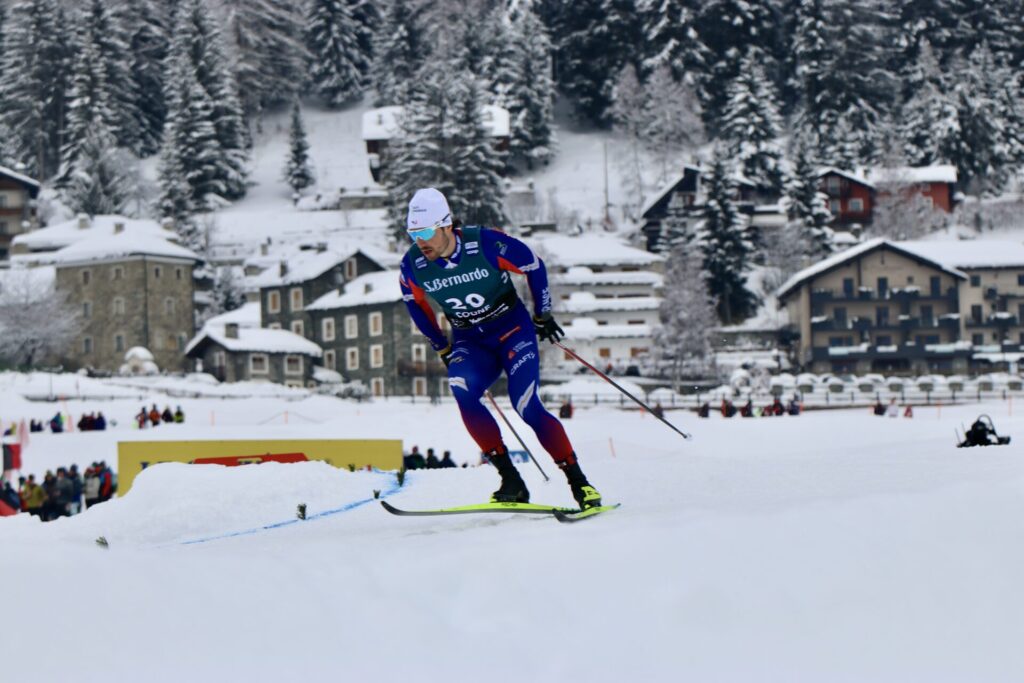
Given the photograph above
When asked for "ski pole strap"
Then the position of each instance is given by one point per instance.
(617, 386)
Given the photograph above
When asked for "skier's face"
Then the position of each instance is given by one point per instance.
(438, 245)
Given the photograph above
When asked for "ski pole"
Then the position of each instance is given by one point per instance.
(616, 385)
(518, 438)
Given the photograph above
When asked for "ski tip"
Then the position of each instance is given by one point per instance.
(583, 514)
(390, 508)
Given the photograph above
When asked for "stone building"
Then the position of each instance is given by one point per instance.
(131, 289)
(17, 207)
(367, 335)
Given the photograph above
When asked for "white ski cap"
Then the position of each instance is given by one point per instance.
(428, 209)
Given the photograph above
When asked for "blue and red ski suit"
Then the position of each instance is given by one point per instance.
(492, 330)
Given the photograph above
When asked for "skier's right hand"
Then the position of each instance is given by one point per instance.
(446, 355)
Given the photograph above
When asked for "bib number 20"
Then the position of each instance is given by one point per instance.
(471, 301)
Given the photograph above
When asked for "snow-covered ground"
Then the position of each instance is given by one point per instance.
(835, 546)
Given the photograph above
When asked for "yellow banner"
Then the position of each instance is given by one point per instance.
(135, 456)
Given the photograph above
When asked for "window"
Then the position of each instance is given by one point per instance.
(182, 341)
(419, 353)
(352, 358)
(293, 365)
(848, 286)
(219, 359)
(168, 306)
(832, 184)
(87, 345)
(3, 227)
(977, 339)
(158, 341)
(376, 324)
(274, 326)
(330, 360)
(327, 329)
(351, 327)
(298, 327)
(351, 269)
(377, 356)
(273, 302)
(377, 386)
(419, 386)
(117, 273)
(927, 316)
(258, 364)
(857, 205)
(839, 314)
(295, 298)
(1020, 314)
(178, 273)
(3, 201)
(1020, 280)
(119, 342)
(976, 313)
(604, 353)
(883, 287)
(975, 281)
(839, 341)
(86, 276)
(86, 309)
(834, 206)
(935, 285)
(883, 340)
(157, 272)
(635, 351)
(882, 316)
(118, 305)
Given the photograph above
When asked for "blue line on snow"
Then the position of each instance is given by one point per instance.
(277, 525)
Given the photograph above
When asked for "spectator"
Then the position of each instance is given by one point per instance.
(794, 406)
(107, 485)
(57, 423)
(91, 487)
(49, 486)
(748, 409)
(446, 460)
(100, 423)
(658, 411)
(432, 462)
(167, 416)
(908, 411)
(728, 409)
(879, 408)
(142, 417)
(414, 460)
(179, 416)
(565, 410)
(76, 494)
(704, 410)
(65, 492)
(10, 496)
(893, 410)
(154, 416)
(35, 497)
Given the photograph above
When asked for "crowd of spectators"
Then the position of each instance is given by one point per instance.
(774, 409)
(89, 422)
(153, 417)
(414, 460)
(63, 494)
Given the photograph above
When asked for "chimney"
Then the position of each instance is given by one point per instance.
(83, 221)
(282, 268)
(118, 227)
(367, 288)
(321, 247)
(231, 330)
(264, 249)
(167, 223)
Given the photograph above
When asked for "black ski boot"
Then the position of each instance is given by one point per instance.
(586, 495)
(513, 488)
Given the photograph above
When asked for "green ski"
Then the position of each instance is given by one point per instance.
(520, 508)
(579, 515)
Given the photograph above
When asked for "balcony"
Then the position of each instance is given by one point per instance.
(1000, 320)
(903, 295)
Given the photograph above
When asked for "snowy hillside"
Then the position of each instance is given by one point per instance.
(751, 552)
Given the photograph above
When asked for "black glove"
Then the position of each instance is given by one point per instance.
(446, 355)
(547, 329)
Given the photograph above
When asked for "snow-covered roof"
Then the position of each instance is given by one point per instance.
(248, 315)
(20, 177)
(256, 340)
(850, 175)
(970, 253)
(584, 276)
(668, 187)
(843, 256)
(594, 250)
(372, 288)
(60, 235)
(303, 265)
(586, 302)
(907, 175)
(102, 247)
(382, 123)
(588, 329)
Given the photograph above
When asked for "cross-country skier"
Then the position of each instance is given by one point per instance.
(466, 272)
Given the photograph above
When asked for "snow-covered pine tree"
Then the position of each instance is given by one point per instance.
(751, 124)
(596, 40)
(813, 59)
(500, 66)
(674, 120)
(725, 244)
(479, 192)
(103, 176)
(197, 37)
(298, 172)
(33, 90)
(686, 315)
(807, 206)
(148, 44)
(228, 293)
(90, 116)
(671, 39)
(399, 51)
(269, 54)
(339, 53)
(530, 95)
(105, 24)
(929, 117)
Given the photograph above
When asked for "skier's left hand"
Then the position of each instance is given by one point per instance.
(547, 329)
